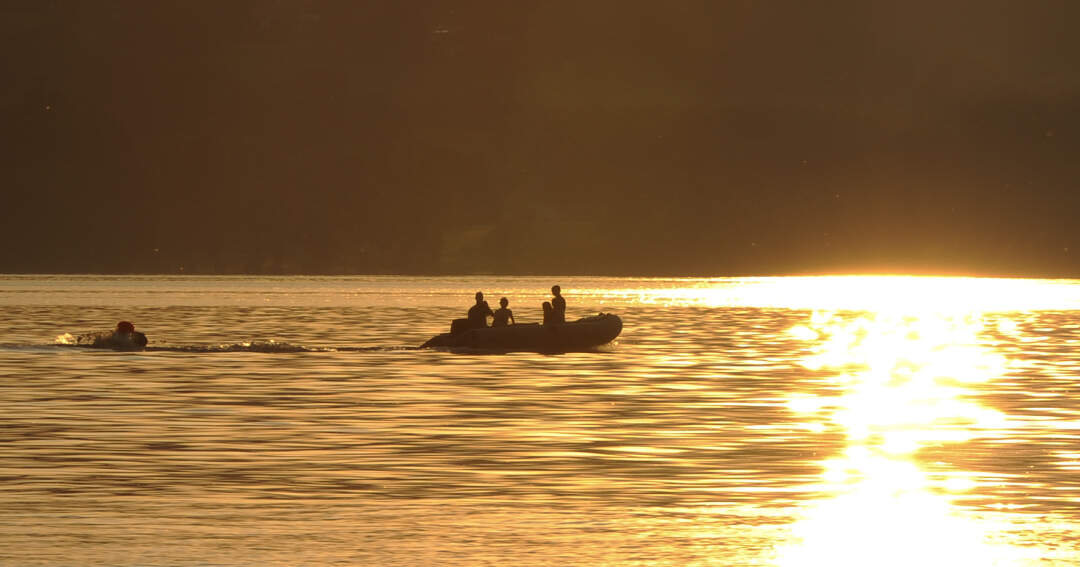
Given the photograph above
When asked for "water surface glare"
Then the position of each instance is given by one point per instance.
(786, 422)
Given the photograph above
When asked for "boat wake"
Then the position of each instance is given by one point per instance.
(590, 334)
(272, 346)
(93, 341)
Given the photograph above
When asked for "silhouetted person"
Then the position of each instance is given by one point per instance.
(127, 330)
(503, 316)
(558, 305)
(476, 318)
(125, 337)
(479, 313)
(547, 312)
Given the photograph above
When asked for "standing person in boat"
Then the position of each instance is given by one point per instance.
(503, 316)
(558, 305)
(479, 313)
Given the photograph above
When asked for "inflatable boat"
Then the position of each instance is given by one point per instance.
(581, 335)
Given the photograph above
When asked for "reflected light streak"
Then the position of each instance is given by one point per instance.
(903, 294)
(905, 382)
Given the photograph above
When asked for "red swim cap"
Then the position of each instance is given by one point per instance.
(125, 327)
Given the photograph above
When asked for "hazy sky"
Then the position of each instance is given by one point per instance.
(622, 137)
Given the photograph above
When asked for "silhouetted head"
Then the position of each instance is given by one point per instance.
(556, 290)
(125, 328)
(504, 302)
(479, 296)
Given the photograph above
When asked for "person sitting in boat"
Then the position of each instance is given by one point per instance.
(558, 306)
(479, 313)
(503, 317)
(476, 318)
(125, 337)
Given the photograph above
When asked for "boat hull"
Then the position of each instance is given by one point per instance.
(581, 335)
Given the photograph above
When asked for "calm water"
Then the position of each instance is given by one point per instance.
(787, 422)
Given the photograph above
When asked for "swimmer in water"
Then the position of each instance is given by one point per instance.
(125, 337)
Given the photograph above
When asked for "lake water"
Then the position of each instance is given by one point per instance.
(787, 422)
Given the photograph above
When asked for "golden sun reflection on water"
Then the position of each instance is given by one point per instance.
(898, 294)
(906, 382)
